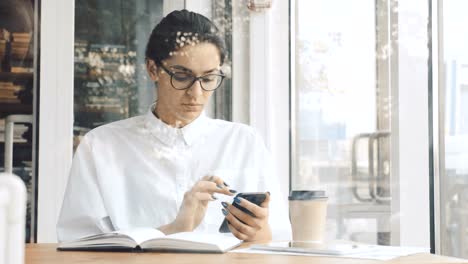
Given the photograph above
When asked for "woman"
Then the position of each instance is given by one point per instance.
(170, 168)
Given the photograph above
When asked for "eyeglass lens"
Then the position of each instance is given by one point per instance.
(184, 80)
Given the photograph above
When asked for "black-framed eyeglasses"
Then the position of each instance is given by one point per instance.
(184, 80)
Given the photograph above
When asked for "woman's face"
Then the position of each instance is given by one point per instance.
(180, 107)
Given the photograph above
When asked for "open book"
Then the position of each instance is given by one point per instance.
(150, 239)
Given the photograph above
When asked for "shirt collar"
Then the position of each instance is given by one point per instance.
(169, 134)
(195, 129)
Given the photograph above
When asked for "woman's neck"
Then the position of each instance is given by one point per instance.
(168, 117)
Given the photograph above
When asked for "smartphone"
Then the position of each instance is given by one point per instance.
(254, 197)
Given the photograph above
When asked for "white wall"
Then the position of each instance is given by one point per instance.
(410, 128)
(269, 83)
(55, 113)
(280, 71)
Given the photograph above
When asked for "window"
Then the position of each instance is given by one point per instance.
(454, 136)
(360, 82)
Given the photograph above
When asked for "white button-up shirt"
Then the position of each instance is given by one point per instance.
(134, 173)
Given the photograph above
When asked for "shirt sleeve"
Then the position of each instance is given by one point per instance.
(82, 211)
(279, 213)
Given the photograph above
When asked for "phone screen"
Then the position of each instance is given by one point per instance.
(253, 197)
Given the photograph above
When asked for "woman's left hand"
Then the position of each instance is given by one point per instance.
(253, 228)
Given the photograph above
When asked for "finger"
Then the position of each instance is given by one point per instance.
(256, 210)
(236, 233)
(266, 203)
(207, 178)
(214, 185)
(241, 227)
(204, 196)
(244, 217)
(204, 186)
(216, 179)
(211, 187)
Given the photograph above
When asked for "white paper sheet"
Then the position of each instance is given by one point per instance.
(380, 253)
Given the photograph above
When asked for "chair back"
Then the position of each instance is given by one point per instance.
(12, 219)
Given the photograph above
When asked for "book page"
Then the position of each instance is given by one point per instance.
(141, 234)
(194, 241)
(104, 240)
(206, 238)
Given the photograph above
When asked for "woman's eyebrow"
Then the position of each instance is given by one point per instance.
(212, 70)
(182, 68)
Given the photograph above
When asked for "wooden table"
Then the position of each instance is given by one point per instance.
(47, 254)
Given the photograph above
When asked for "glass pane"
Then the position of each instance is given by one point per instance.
(454, 184)
(342, 106)
(18, 89)
(111, 82)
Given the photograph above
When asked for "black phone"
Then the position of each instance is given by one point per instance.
(254, 197)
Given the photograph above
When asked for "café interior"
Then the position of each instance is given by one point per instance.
(364, 100)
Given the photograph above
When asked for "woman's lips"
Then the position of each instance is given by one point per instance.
(192, 106)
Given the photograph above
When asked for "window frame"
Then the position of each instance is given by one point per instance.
(410, 136)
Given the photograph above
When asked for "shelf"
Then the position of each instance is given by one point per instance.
(15, 108)
(14, 76)
(95, 78)
(18, 145)
(21, 152)
(114, 110)
(86, 77)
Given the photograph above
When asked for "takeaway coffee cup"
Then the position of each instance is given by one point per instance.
(308, 213)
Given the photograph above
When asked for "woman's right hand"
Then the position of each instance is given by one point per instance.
(195, 203)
